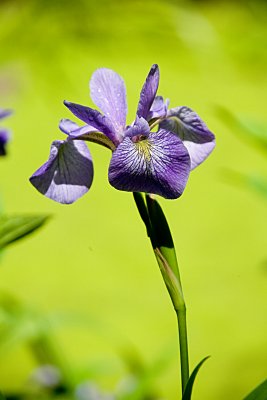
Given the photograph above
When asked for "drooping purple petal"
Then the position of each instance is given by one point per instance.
(4, 138)
(68, 174)
(196, 136)
(5, 113)
(108, 92)
(148, 92)
(159, 164)
(158, 109)
(95, 119)
(72, 129)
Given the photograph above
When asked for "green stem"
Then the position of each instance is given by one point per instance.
(174, 287)
(160, 236)
(181, 317)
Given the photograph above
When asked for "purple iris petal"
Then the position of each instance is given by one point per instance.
(72, 129)
(196, 136)
(68, 174)
(67, 126)
(94, 118)
(148, 92)
(158, 109)
(108, 92)
(4, 138)
(159, 164)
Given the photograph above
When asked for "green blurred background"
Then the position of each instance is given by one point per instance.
(93, 260)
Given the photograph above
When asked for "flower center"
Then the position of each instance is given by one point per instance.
(138, 138)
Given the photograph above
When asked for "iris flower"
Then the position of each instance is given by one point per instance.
(4, 133)
(154, 154)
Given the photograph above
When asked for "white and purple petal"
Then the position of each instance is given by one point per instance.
(158, 164)
(95, 119)
(68, 174)
(73, 130)
(148, 92)
(196, 136)
(86, 132)
(108, 92)
(67, 126)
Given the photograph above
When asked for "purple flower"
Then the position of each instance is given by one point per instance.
(143, 160)
(4, 133)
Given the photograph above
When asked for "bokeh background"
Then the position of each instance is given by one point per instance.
(91, 266)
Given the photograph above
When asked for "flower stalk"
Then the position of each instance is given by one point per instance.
(175, 290)
(183, 344)
(164, 250)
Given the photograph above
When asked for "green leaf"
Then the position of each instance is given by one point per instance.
(161, 239)
(260, 393)
(13, 228)
(189, 386)
(172, 283)
(142, 209)
(161, 234)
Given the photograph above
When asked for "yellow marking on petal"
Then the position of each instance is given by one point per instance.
(144, 148)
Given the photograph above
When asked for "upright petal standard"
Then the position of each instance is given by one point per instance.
(143, 160)
(109, 94)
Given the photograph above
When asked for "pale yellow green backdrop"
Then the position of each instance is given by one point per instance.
(93, 259)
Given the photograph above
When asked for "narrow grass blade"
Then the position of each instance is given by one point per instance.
(189, 387)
